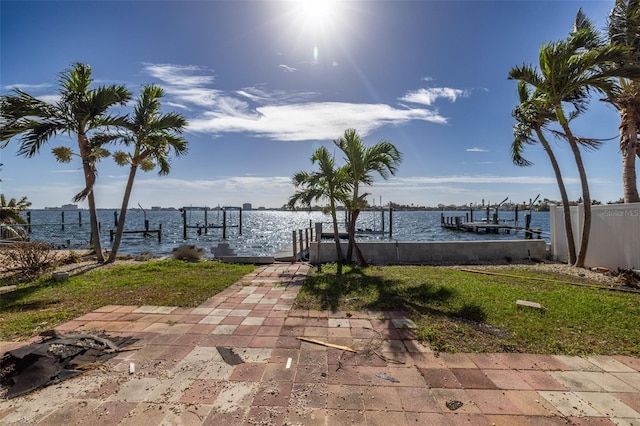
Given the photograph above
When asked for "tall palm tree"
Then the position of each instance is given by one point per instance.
(570, 70)
(79, 110)
(330, 183)
(153, 136)
(531, 117)
(624, 30)
(382, 158)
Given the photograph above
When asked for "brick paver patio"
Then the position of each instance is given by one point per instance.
(180, 377)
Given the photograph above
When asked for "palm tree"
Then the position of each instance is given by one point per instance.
(531, 117)
(153, 136)
(10, 215)
(330, 183)
(569, 71)
(623, 30)
(79, 110)
(361, 162)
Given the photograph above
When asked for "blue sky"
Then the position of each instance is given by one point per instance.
(263, 84)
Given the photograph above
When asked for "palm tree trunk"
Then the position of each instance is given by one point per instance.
(336, 237)
(571, 243)
(123, 215)
(629, 147)
(352, 234)
(361, 260)
(586, 197)
(89, 177)
(353, 245)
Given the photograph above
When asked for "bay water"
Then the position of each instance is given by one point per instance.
(264, 232)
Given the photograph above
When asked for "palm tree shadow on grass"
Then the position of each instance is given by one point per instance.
(357, 290)
(13, 301)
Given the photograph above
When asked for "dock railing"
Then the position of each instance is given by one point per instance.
(301, 238)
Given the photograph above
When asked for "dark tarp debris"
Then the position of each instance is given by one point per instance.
(56, 358)
(453, 405)
(229, 356)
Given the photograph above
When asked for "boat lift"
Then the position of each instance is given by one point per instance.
(206, 226)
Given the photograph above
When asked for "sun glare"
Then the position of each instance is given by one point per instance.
(316, 22)
(315, 14)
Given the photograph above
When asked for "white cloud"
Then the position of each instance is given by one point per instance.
(476, 149)
(287, 68)
(260, 95)
(282, 115)
(176, 105)
(429, 95)
(50, 99)
(180, 75)
(27, 87)
(199, 96)
(312, 121)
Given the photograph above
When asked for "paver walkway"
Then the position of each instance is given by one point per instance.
(181, 378)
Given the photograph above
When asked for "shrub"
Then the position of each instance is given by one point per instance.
(71, 258)
(29, 259)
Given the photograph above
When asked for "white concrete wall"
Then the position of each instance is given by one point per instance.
(384, 253)
(614, 240)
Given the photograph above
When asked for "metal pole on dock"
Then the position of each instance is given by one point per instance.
(80, 218)
(159, 232)
(390, 220)
(527, 223)
(318, 237)
(184, 224)
(295, 245)
(301, 241)
(29, 222)
(115, 218)
(206, 228)
(224, 224)
(240, 222)
(62, 219)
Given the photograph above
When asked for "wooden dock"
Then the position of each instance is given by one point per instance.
(458, 223)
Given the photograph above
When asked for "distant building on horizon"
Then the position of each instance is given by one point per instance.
(247, 206)
(64, 207)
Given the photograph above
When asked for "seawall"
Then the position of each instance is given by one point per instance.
(434, 252)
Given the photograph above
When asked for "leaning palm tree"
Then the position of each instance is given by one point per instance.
(382, 158)
(531, 117)
(79, 110)
(153, 136)
(624, 30)
(329, 183)
(570, 70)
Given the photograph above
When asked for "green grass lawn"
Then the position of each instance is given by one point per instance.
(44, 303)
(459, 311)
